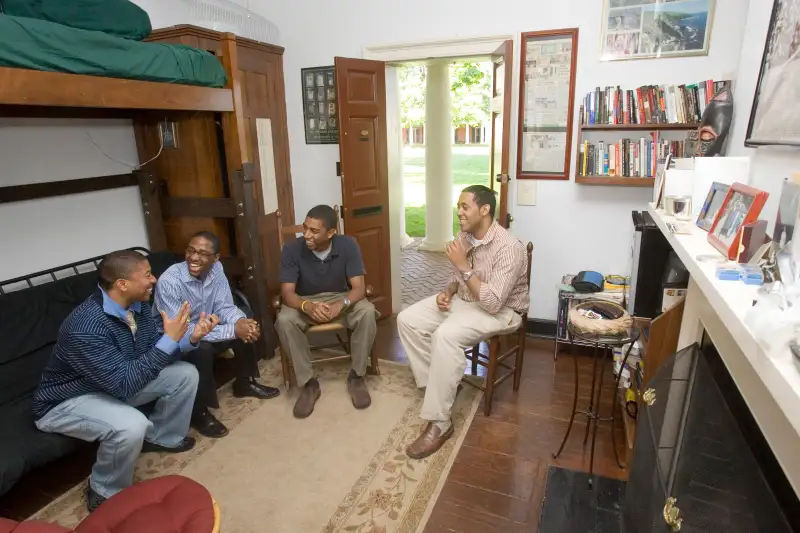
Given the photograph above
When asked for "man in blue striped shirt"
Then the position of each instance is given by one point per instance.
(110, 357)
(200, 280)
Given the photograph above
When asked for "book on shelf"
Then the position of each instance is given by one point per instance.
(627, 158)
(650, 104)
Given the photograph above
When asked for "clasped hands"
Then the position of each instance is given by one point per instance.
(247, 330)
(321, 312)
(457, 254)
(175, 328)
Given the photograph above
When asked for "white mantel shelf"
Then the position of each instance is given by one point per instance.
(765, 383)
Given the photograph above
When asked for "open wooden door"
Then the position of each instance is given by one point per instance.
(361, 89)
(501, 130)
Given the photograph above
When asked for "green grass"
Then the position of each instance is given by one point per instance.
(470, 166)
(415, 221)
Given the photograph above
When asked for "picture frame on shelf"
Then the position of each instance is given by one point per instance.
(742, 205)
(546, 103)
(775, 112)
(650, 29)
(712, 204)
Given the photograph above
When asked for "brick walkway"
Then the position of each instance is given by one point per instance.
(423, 274)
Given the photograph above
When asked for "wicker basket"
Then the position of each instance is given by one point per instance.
(600, 326)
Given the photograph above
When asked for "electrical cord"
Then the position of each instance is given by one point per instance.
(132, 167)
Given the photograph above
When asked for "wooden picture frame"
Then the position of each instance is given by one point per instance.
(742, 206)
(712, 205)
(544, 135)
(775, 110)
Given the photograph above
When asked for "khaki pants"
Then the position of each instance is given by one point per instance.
(435, 340)
(293, 324)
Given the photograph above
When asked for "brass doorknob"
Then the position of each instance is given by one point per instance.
(649, 397)
(672, 515)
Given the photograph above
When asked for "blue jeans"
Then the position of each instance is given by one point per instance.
(121, 428)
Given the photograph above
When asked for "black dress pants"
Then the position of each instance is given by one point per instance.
(203, 358)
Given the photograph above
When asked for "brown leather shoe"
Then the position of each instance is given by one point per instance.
(429, 442)
(358, 391)
(308, 397)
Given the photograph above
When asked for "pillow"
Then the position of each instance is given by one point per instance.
(120, 18)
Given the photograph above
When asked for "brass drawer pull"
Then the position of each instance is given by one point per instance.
(649, 397)
(672, 515)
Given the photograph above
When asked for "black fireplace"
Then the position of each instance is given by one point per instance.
(701, 465)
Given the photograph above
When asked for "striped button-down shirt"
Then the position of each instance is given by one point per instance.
(211, 295)
(500, 261)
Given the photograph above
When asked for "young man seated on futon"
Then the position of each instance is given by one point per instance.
(200, 280)
(322, 279)
(487, 290)
(110, 357)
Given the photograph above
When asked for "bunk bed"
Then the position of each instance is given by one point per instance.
(43, 93)
(209, 181)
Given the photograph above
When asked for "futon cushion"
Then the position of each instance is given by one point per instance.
(120, 18)
(29, 324)
(23, 447)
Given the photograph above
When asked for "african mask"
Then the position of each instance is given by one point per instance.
(715, 124)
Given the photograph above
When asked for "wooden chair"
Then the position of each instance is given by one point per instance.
(338, 327)
(494, 359)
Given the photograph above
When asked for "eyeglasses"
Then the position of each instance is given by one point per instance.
(202, 253)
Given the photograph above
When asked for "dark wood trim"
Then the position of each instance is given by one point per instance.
(194, 207)
(36, 191)
(181, 30)
(540, 327)
(150, 194)
(57, 89)
(570, 32)
(615, 180)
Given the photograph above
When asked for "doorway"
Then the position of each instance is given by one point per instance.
(458, 152)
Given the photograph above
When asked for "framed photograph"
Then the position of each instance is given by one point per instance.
(775, 114)
(319, 105)
(546, 101)
(741, 206)
(649, 29)
(708, 213)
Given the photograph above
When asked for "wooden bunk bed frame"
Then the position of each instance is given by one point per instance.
(44, 94)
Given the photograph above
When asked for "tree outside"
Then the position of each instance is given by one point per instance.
(471, 87)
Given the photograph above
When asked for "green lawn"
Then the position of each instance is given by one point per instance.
(470, 165)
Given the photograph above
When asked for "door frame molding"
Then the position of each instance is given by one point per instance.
(439, 48)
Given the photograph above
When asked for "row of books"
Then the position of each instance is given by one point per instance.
(630, 158)
(650, 104)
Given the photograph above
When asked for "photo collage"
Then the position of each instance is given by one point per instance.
(319, 105)
(642, 29)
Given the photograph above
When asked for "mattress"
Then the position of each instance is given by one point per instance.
(42, 45)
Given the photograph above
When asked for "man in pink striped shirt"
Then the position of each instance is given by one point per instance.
(486, 295)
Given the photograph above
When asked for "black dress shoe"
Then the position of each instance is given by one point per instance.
(254, 389)
(207, 425)
(186, 444)
(93, 500)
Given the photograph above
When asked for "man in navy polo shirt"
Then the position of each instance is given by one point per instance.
(322, 280)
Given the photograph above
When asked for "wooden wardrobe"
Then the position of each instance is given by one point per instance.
(197, 167)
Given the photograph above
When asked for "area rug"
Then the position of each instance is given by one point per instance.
(571, 505)
(340, 470)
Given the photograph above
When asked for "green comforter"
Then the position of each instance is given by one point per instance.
(119, 18)
(40, 45)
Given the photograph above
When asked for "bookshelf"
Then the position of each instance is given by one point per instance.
(624, 135)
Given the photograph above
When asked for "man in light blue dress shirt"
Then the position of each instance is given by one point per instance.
(200, 280)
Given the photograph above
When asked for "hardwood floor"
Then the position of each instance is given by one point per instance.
(498, 479)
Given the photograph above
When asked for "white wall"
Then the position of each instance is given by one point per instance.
(40, 234)
(573, 227)
(769, 165)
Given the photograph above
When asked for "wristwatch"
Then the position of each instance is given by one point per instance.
(346, 302)
(466, 275)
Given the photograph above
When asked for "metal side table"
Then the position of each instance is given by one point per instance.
(603, 352)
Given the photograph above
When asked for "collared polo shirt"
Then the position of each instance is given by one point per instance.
(313, 275)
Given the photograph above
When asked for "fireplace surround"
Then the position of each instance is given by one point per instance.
(701, 465)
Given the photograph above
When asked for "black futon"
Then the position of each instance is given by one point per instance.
(29, 322)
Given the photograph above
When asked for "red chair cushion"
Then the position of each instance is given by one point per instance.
(169, 504)
(33, 526)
